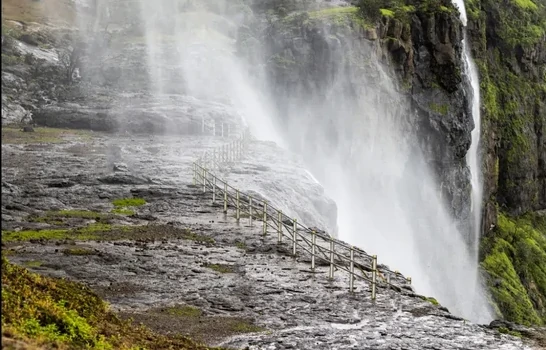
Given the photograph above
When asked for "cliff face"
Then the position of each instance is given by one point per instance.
(420, 43)
(509, 46)
(316, 54)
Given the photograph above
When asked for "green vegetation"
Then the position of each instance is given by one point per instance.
(192, 236)
(32, 263)
(11, 236)
(183, 311)
(241, 245)
(9, 60)
(520, 22)
(439, 108)
(387, 13)
(221, 268)
(55, 313)
(245, 327)
(340, 17)
(129, 202)
(514, 260)
(433, 301)
(123, 211)
(525, 4)
(505, 330)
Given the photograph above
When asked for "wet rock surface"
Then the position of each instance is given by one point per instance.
(190, 253)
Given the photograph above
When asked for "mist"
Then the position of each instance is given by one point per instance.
(356, 133)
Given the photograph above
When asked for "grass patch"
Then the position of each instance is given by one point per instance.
(241, 245)
(183, 311)
(245, 327)
(525, 4)
(505, 330)
(79, 251)
(432, 301)
(221, 268)
(387, 13)
(30, 235)
(56, 313)
(439, 108)
(128, 202)
(32, 263)
(514, 260)
(198, 238)
(123, 211)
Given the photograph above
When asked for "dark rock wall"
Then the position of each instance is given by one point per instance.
(309, 53)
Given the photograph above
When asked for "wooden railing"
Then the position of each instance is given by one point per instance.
(317, 245)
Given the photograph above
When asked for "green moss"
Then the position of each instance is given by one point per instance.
(245, 327)
(387, 13)
(505, 330)
(192, 236)
(344, 17)
(10, 60)
(514, 260)
(123, 211)
(183, 311)
(32, 263)
(433, 301)
(439, 108)
(11, 236)
(54, 313)
(221, 268)
(525, 4)
(129, 202)
(241, 245)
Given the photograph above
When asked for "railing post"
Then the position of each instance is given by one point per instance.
(250, 210)
(238, 212)
(352, 269)
(331, 272)
(313, 245)
(204, 180)
(213, 189)
(374, 276)
(294, 236)
(265, 218)
(225, 198)
(279, 226)
(194, 173)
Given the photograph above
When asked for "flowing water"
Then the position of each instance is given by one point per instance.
(351, 127)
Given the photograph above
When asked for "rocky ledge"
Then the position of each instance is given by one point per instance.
(169, 248)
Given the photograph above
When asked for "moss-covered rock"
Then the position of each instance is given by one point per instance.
(514, 259)
(55, 313)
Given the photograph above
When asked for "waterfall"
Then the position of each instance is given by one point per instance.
(473, 156)
(363, 144)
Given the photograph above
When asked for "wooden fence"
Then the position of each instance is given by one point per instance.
(318, 245)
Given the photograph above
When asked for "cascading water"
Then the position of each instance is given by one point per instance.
(473, 157)
(355, 131)
(362, 142)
